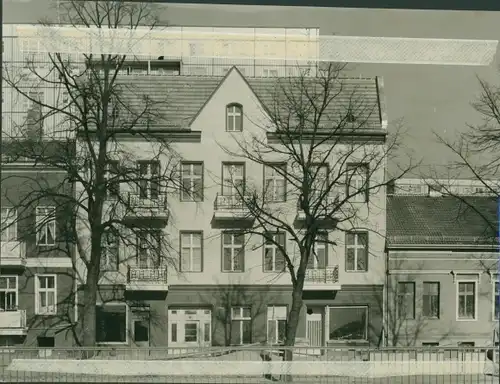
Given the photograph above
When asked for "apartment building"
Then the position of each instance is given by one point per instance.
(36, 271)
(219, 285)
(442, 265)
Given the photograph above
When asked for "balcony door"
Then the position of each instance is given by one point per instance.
(149, 250)
(149, 175)
(233, 179)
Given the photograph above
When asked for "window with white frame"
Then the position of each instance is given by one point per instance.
(149, 175)
(496, 301)
(466, 299)
(8, 293)
(111, 323)
(8, 224)
(233, 252)
(356, 251)
(406, 300)
(274, 259)
(318, 259)
(268, 72)
(191, 252)
(431, 300)
(276, 324)
(357, 182)
(234, 118)
(34, 100)
(192, 181)
(46, 225)
(109, 251)
(46, 294)
(233, 179)
(319, 180)
(275, 182)
(241, 325)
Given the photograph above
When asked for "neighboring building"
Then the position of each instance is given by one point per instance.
(442, 263)
(36, 270)
(205, 298)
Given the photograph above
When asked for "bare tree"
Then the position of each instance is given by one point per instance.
(322, 137)
(80, 109)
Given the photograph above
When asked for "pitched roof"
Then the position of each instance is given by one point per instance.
(180, 98)
(441, 220)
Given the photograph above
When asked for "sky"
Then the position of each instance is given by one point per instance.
(424, 100)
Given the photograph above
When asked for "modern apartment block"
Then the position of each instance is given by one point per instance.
(442, 265)
(36, 265)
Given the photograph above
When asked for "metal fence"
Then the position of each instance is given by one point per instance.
(251, 364)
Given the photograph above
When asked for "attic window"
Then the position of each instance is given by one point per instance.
(234, 118)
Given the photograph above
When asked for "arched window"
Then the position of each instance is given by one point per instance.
(234, 118)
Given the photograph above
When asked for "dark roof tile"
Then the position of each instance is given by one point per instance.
(441, 220)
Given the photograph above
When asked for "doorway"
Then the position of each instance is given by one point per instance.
(141, 322)
(315, 329)
(189, 328)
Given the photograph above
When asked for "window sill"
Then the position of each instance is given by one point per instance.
(190, 271)
(465, 320)
(232, 271)
(356, 271)
(111, 342)
(45, 314)
(431, 317)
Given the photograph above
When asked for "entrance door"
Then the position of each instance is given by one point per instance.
(189, 328)
(314, 331)
(141, 328)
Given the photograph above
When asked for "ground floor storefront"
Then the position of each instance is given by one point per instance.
(202, 316)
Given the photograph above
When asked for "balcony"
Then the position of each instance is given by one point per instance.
(231, 208)
(326, 205)
(13, 323)
(322, 279)
(147, 279)
(152, 212)
(13, 254)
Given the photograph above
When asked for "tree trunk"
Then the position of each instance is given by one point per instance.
(291, 327)
(89, 310)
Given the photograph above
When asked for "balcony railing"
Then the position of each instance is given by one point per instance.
(13, 253)
(154, 279)
(231, 207)
(13, 322)
(324, 206)
(322, 278)
(148, 208)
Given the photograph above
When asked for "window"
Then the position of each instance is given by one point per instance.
(111, 174)
(430, 300)
(319, 178)
(110, 249)
(8, 293)
(34, 99)
(46, 225)
(191, 252)
(276, 324)
(241, 326)
(496, 301)
(270, 72)
(356, 251)
(149, 249)
(173, 332)
(466, 300)
(192, 182)
(357, 182)
(233, 252)
(111, 323)
(406, 300)
(45, 294)
(348, 323)
(149, 173)
(274, 260)
(234, 118)
(191, 332)
(430, 344)
(275, 182)
(318, 259)
(233, 179)
(113, 110)
(8, 224)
